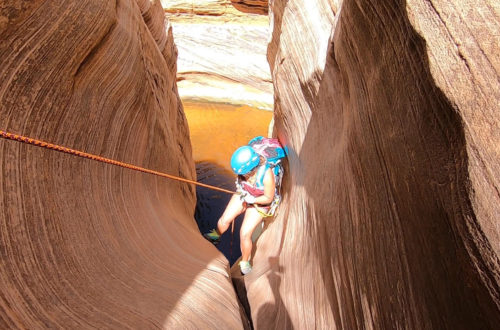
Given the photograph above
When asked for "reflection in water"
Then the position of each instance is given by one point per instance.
(216, 130)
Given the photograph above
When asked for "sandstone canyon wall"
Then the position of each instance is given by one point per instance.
(222, 51)
(83, 244)
(392, 206)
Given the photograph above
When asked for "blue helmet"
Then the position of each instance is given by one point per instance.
(244, 160)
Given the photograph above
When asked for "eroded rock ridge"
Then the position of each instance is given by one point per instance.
(84, 244)
(390, 216)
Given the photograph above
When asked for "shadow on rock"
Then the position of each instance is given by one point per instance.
(211, 204)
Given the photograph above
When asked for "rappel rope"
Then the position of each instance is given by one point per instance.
(51, 146)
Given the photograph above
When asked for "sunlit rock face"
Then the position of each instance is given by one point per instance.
(251, 6)
(85, 244)
(222, 51)
(391, 208)
(216, 7)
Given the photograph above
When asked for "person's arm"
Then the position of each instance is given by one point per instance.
(269, 189)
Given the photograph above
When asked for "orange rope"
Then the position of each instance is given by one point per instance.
(78, 153)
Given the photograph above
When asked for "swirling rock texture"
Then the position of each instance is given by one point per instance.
(222, 51)
(391, 211)
(84, 244)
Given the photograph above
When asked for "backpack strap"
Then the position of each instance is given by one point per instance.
(277, 171)
(261, 173)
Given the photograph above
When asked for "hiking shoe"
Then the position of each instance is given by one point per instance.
(245, 267)
(213, 237)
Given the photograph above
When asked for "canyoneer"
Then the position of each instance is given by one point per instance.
(259, 172)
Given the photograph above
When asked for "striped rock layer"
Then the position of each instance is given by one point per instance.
(391, 207)
(84, 244)
(216, 7)
(222, 52)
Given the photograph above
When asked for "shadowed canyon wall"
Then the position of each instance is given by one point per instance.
(391, 208)
(84, 244)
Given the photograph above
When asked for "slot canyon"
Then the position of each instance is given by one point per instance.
(391, 198)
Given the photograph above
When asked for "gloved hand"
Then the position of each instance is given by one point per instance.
(239, 190)
(242, 194)
(249, 199)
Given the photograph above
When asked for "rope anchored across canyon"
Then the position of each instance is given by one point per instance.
(51, 146)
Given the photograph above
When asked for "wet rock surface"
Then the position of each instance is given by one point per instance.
(391, 206)
(84, 244)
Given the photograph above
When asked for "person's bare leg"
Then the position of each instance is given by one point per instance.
(250, 222)
(233, 209)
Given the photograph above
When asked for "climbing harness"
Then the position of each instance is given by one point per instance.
(46, 145)
(272, 208)
(263, 212)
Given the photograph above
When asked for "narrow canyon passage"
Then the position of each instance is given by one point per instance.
(216, 131)
(390, 216)
(224, 82)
